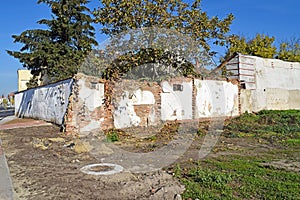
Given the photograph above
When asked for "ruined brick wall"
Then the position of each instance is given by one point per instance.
(135, 103)
(150, 114)
(86, 111)
(109, 100)
(97, 104)
(88, 104)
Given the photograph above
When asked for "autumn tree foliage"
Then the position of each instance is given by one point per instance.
(261, 45)
(188, 19)
(290, 50)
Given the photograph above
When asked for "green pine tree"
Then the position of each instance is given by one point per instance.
(57, 52)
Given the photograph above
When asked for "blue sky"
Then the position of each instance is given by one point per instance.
(277, 18)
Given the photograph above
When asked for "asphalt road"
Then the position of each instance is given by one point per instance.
(6, 112)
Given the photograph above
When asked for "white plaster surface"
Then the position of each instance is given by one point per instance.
(276, 85)
(124, 114)
(91, 126)
(48, 103)
(216, 98)
(142, 97)
(92, 98)
(263, 73)
(176, 104)
(277, 74)
(269, 99)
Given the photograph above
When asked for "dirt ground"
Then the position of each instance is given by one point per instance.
(45, 164)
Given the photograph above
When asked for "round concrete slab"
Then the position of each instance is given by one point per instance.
(101, 169)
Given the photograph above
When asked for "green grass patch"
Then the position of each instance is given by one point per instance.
(238, 178)
(244, 176)
(151, 138)
(112, 135)
(272, 125)
(293, 142)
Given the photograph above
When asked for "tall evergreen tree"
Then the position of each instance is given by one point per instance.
(57, 52)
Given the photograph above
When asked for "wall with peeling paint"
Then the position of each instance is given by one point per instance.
(176, 99)
(180, 99)
(269, 99)
(85, 112)
(48, 102)
(96, 104)
(124, 115)
(85, 104)
(135, 104)
(91, 94)
(216, 99)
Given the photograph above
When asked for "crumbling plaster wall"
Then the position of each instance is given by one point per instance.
(216, 99)
(86, 104)
(135, 103)
(148, 103)
(97, 104)
(86, 112)
(176, 99)
(48, 102)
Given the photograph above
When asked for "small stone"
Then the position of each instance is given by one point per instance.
(75, 161)
(80, 148)
(58, 139)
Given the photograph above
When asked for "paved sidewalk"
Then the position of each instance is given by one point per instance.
(31, 123)
(6, 187)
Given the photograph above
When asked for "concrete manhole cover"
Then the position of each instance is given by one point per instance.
(102, 169)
